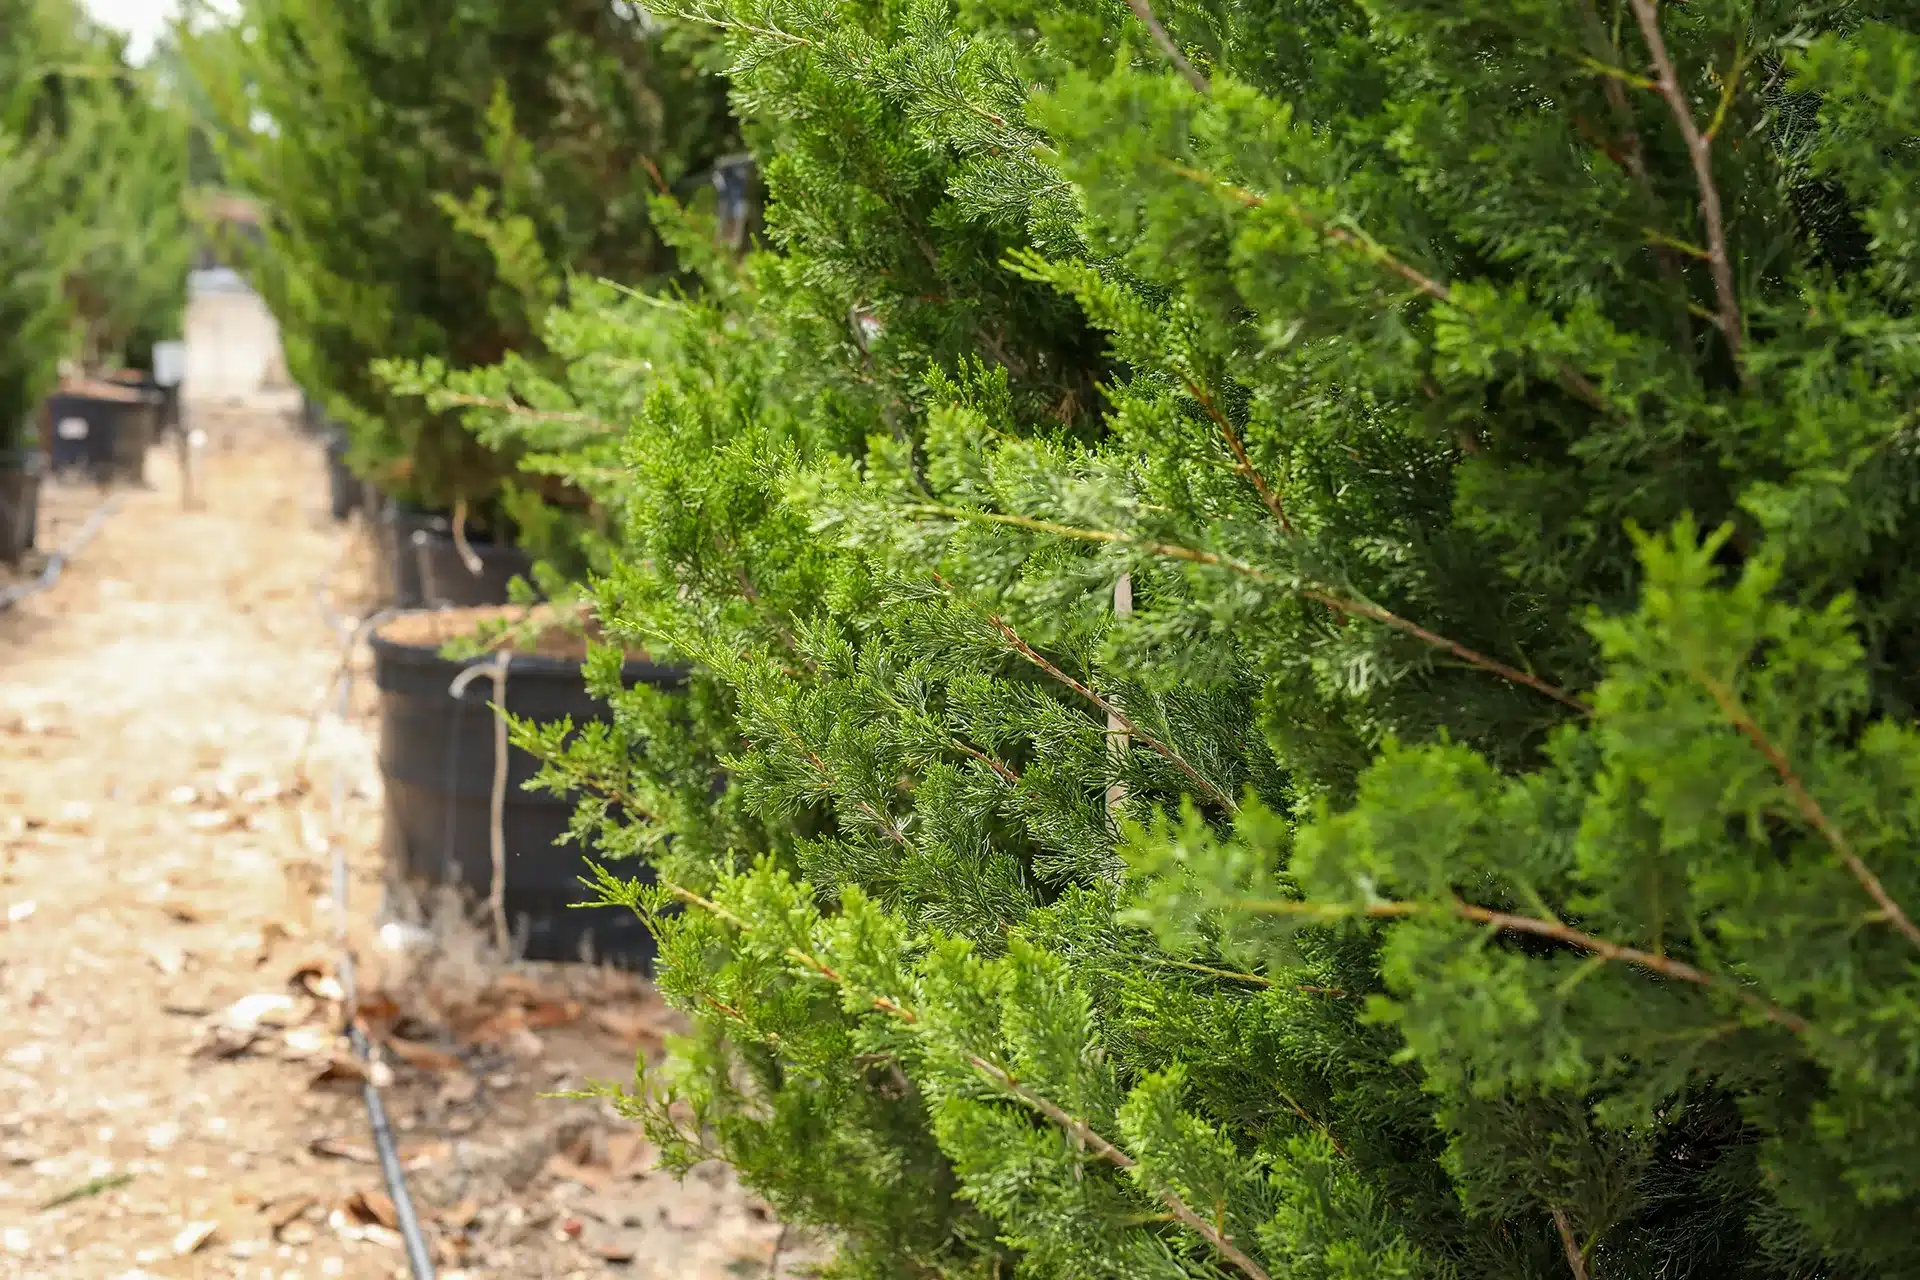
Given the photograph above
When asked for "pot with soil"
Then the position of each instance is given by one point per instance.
(19, 501)
(446, 579)
(437, 762)
(102, 428)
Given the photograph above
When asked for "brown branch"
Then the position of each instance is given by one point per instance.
(1010, 775)
(1666, 966)
(1809, 808)
(1471, 656)
(1144, 11)
(1194, 555)
(1112, 709)
(1243, 463)
(1576, 1256)
(1700, 150)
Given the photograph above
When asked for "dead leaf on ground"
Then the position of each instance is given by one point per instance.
(283, 1213)
(372, 1208)
(192, 1236)
(633, 1024)
(553, 1013)
(342, 1149)
(422, 1057)
(460, 1216)
(342, 1072)
(498, 1027)
(559, 1166)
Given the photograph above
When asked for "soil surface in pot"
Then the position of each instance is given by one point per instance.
(540, 631)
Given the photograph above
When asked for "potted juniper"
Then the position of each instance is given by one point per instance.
(32, 330)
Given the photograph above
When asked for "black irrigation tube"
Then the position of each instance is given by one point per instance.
(419, 1257)
(58, 560)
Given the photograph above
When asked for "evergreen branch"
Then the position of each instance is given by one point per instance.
(1144, 11)
(1570, 378)
(1083, 1134)
(1665, 966)
(513, 408)
(1810, 810)
(1472, 657)
(1243, 463)
(1006, 772)
(1112, 709)
(1700, 150)
(1339, 604)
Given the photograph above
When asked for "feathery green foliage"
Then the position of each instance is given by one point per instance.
(430, 169)
(1302, 612)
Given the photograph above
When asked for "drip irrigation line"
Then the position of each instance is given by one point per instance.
(419, 1257)
(58, 560)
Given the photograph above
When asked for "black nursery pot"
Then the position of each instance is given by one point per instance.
(19, 501)
(436, 758)
(344, 490)
(398, 524)
(445, 578)
(105, 436)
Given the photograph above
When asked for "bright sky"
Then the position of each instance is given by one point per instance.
(141, 19)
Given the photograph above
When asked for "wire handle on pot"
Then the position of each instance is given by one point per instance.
(497, 805)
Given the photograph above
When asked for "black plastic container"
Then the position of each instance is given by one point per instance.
(446, 580)
(344, 490)
(436, 759)
(398, 524)
(105, 436)
(19, 501)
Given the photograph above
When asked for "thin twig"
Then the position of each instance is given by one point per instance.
(1115, 716)
(1339, 604)
(1700, 150)
(1144, 11)
(1815, 816)
(1665, 966)
(1243, 463)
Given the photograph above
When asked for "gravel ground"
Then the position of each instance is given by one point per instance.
(174, 1098)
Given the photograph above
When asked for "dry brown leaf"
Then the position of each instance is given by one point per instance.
(553, 1013)
(282, 1213)
(343, 1070)
(499, 1026)
(341, 1149)
(372, 1208)
(421, 1057)
(462, 1215)
(631, 1025)
(566, 1170)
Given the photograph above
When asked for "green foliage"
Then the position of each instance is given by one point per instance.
(1302, 644)
(423, 164)
(102, 202)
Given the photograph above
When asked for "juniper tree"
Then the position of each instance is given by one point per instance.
(1395, 761)
(389, 142)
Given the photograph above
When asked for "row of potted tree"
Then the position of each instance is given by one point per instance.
(95, 236)
(1292, 613)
